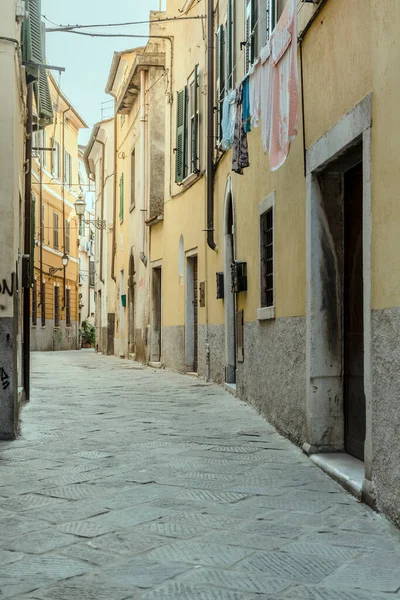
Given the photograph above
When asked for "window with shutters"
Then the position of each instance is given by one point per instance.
(220, 81)
(251, 33)
(55, 230)
(187, 150)
(229, 47)
(67, 169)
(67, 236)
(43, 304)
(55, 159)
(91, 273)
(121, 198)
(34, 303)
(180, 150)
(193, 123)
(42, 224)
(267, 284)
(44, 152)
(67, 307)
(133, 178)
(56, 306)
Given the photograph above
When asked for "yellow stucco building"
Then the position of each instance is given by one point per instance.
(55, 188)
(282, 285)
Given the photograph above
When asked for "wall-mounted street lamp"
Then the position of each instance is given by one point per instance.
(64, 260)
(80, 207)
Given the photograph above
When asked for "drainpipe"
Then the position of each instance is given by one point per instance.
(114, 248)
(143, 182)
(63, 196)
(26, 325)
(41, 231)
(210, 126)
(103, 155)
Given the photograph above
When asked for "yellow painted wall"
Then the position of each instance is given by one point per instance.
(52, 197)
(348, 52)
(385, 51)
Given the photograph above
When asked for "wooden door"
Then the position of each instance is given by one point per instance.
(195, 316)
(354, 397)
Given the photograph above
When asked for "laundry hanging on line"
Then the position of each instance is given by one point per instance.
(269, 93)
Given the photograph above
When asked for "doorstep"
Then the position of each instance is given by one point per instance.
(155, 365)
(231, 388)
(343, 468)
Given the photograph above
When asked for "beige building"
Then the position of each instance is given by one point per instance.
(281, 285)
(24, 102)
(86, 234)
(137, 83)
(56, 186)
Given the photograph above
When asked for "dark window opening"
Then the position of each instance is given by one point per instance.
(43, 304)
(56, 306)
(68, 308)
(267, 258)
(34, 304)
(55, 225)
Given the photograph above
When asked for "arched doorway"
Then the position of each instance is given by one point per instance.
(131, 305)
(229, 297)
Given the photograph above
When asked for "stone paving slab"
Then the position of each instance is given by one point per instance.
(131, 483)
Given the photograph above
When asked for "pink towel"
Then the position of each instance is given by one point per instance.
(285, 86)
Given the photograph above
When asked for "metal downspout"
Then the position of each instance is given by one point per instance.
(210, 125)
(113, 250)
(143, 180)
(63, 197)
(26, 325)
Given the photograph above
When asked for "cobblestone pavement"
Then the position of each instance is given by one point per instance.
(130, 482)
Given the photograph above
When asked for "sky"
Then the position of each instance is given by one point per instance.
(87, 60)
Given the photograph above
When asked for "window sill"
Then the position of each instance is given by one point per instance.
(190, 179)
(266, 313)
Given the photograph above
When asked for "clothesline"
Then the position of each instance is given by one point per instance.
(222, 93)
(273, 99)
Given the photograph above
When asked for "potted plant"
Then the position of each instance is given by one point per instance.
(88, 335)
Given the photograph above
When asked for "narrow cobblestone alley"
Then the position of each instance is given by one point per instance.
(130, 482)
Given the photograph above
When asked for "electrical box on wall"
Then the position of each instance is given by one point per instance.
(220, 286)
(239, 276)
(123, 300)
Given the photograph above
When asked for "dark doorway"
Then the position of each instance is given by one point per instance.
(157, 304)
(354, 397)
(131, 306)
(229, 296)
(192, 315)
(195, 316)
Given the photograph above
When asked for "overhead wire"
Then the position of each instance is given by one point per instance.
(66, 28)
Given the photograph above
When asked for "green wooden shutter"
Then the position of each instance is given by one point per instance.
(229, 47)
(195, 132)
(67, 236)
(271, 16)
(45, 108)
(121, 198)
(32, 38)
(253, 22)
(181, 130)
(220, 86)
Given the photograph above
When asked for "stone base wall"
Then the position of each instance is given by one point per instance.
(50, 338)
(216, 341)
(386, 410)
(272, 377)
(9, 405)
(173, 348)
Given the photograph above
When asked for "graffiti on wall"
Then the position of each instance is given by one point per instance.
(7, 288)
(4, 379)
